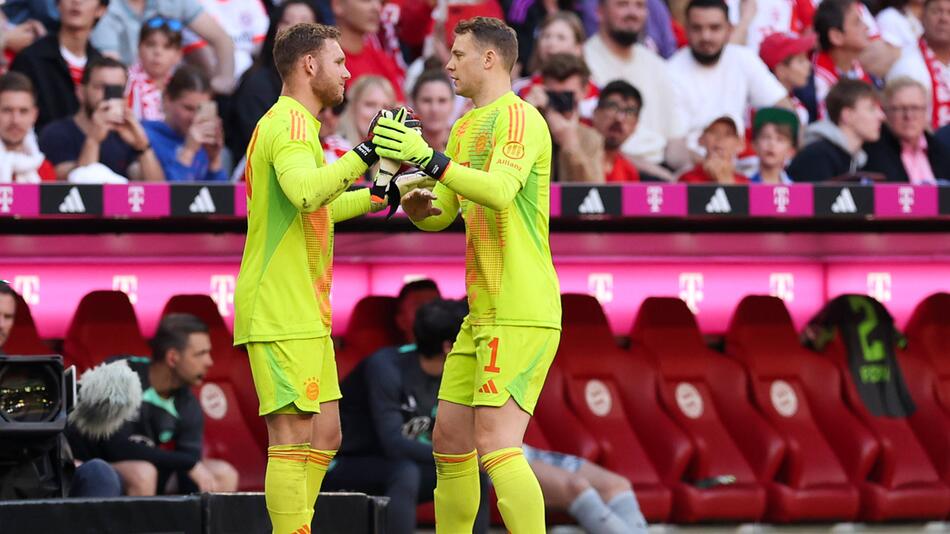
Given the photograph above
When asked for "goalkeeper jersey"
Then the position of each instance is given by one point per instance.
(283, 287)
(509, 275)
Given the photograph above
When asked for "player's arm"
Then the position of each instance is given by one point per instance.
(509, 168)
(432, 212)
(351, 204)
(307, 186)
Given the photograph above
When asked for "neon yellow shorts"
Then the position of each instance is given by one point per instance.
(294, 375)
(489, 364)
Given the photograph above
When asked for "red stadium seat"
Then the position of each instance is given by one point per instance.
(597, 374)
(24, 339)
(928, 336)
(104, 325)
(706, 394)
(907, 485)
(372, 327)
(230, 363)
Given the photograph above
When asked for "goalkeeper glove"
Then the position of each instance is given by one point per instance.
(399, 187)
(396, 140)
(388, 168)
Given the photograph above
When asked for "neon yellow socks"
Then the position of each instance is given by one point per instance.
(457, 492)
(317, 464)
(285, 489)
(520, 500)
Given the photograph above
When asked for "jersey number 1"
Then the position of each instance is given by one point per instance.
(491, 367)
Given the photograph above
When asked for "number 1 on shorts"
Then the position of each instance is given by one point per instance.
(491, 367)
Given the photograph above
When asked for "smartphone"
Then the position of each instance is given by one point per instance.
(561, 101)
(114, 95)
(207, 110)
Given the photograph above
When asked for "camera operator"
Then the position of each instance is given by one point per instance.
(578, 148)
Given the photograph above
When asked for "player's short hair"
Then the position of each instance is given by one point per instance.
(560, 67)
(437, 322)
(830, 16)
(16, 82)
(708, 4)
(430, 76)
(494, 34)
(102, 62)
(623, 89)
(300, 40)
(416, 285)
(187, 78)
(846, 94)
(173, 332)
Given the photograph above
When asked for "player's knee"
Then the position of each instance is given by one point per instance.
(140, 479)
(446, 441)
(576, 485)
(329, 439)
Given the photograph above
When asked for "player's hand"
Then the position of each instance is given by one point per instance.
(398, 141)
(400, 186)
(202, 477)
(417, 204)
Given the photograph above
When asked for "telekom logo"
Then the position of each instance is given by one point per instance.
(691, 290)
(6, 198)
(128, 284)
(781, 198)
(28, 286)
(905, 197)
(222, 292)
(655, 198)
(136, 197)
(879, 286)
(782, 285)
(601, 286)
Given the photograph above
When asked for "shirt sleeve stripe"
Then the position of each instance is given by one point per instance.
(516, 122)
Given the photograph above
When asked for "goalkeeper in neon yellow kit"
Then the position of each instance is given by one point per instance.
(497, 172)
(282, 298)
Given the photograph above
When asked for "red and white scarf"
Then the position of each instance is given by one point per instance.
(826, 70)
(939, 86)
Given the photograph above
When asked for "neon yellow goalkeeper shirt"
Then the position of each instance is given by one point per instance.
(283, 287)
(500, 178)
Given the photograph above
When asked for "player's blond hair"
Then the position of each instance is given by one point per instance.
(300, 40)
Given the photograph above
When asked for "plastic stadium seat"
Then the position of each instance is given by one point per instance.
(926, 368)
(706, 394)
(598, 381)
(24, 339)
(104, 325)
(881, 455)
(230, 363)
(372, 326)
(907, 485)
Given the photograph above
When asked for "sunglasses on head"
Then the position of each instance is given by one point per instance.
(158, 22)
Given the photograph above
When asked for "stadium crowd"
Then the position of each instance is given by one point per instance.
(697, 91)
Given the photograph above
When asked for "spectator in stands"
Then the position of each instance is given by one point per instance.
(721, 140)
(561, 32)
(774, 137)
(20, 158)
(159, 52)
(413, 295)
(943, 136)
(363, 100)
(245, 22)
(713, 77)
(614, 53)
(928, 61)
(190, 140)
(433, 99)
(103, 136)
(906, 151)
(577, 147)
(788, 57)
(93, 478)
(334, 145)
(359, 22)
(18, 35)
(615, 120)
(260, 86)
(388, 413)
(833, 146)
(117, 33)
(56, 63)
(899, 22)
(162, 449)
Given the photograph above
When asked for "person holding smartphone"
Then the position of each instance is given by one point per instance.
(190, 140)
(578, 148)
(104, 135)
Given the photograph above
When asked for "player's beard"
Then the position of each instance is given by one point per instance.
(327, 91)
